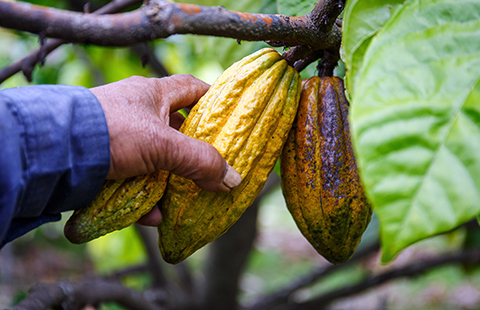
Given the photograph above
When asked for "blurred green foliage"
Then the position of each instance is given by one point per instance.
(111, 306)
(117, 250)
(295, 7)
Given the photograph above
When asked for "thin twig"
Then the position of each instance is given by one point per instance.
(27, 64)
(128, 271)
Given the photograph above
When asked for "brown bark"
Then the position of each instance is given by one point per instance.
(323, 17)
(177, 18)
(160, 19)
(325, 13)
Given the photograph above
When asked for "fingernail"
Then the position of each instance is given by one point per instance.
(232, 178)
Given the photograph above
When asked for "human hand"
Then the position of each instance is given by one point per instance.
(142, 122)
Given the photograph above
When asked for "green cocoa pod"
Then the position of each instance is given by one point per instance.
(120, 203)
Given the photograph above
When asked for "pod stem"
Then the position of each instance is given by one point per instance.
(327, 64)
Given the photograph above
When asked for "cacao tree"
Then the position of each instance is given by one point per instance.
(411, 72)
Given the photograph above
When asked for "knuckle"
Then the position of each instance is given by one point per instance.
(187, 76)
(137, 79)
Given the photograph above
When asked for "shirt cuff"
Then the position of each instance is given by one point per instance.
(65, 152)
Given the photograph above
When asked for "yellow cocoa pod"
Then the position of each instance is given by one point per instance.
(320, 180)
(246, 115)
(119, 204)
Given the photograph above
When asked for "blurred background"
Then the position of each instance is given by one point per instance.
(280, 255)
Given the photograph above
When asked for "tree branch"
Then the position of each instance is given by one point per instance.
(160, 19)
(175, 293)
(27, 64)
(296, 53)
(301, 64)
(325, 13)
(91, 291)
(149, 58)
(412, 270)
(228, 256)
(281, 297)
(116, 275)
(323, 17)
(149, 238)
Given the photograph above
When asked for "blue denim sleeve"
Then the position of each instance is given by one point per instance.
(54, 154)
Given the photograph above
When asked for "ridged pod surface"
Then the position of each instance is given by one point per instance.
(246, 115)
(320, 180)
(119, 204)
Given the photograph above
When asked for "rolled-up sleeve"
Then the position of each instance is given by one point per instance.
(54, 154)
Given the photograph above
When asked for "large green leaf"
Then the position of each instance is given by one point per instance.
(416, 121)
(362, 20)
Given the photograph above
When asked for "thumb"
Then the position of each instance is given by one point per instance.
(198, 161)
